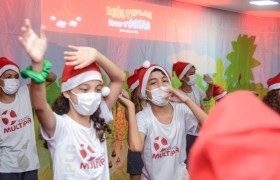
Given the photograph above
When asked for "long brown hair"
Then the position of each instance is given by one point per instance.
(136, 99)
(272, 99)
(61, 106)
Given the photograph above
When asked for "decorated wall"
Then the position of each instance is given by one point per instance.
(238, 51)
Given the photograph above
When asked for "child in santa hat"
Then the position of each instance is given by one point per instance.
(186, 73)
(158, 131)
(272, 99)
(19, 158)
(75, 130)
(134, 160)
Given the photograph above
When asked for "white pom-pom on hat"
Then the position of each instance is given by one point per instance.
(105, 91)
(146, 64)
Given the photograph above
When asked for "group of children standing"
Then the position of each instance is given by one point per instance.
(160, 118)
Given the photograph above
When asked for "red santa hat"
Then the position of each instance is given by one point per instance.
(218, 92)
(238, 139)
(181, 68)
(144, 73)
(72, 78)
(133, 80)
(6, 64)
(274, 82)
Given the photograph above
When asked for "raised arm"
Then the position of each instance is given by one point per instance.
(135, 138)
(84, 56)
(210, 89)
(35, 48)
(50, 79)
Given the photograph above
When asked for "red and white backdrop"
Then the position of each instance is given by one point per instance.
(238, 51)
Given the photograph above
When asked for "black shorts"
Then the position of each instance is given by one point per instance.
(134, 163)
(190, 141)
(28, 175)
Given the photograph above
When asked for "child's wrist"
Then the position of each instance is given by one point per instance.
(37, 67)
(98, 56)
(186, 100)
(131, 107)
(37, 72)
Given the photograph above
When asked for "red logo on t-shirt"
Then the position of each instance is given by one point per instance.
(160, 144)
(87, 153)
(90, 158)
(163, 149)
(12, 122)
(9, 117)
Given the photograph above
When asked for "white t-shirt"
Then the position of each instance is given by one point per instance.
(197, 95)
(165, 145)
(76, 151)
(18, 152)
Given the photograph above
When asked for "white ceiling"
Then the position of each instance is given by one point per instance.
(242, 6)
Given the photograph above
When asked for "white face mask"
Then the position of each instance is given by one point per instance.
(10, 86)
(192, 81)
(88, 103)
(159, 96)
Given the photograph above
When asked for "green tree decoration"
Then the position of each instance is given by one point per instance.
(239, 72)
(218, 76)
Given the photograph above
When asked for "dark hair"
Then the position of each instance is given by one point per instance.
(61, 106)
(156, 69)
(136, 100)
(272, 99)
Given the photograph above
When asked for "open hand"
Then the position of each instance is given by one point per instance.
(34, 46)
(207, 79)
(176, 96)
(81, 56)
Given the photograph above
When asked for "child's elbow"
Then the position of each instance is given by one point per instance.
(136, 148)
(122, 77)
